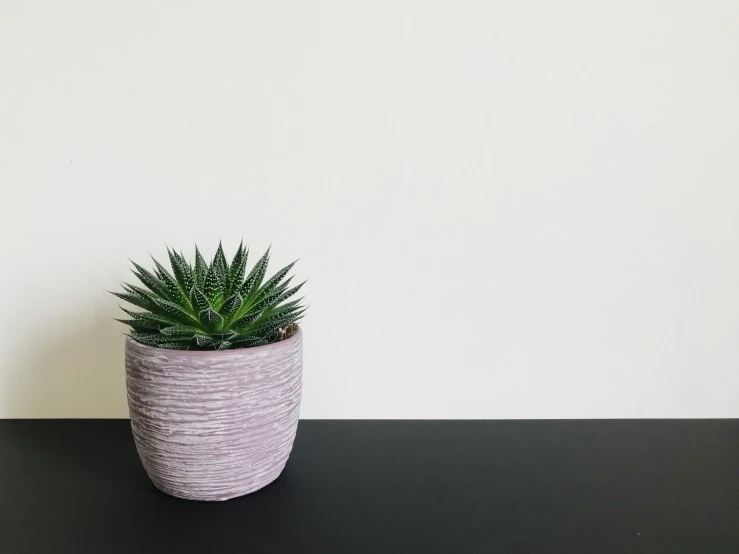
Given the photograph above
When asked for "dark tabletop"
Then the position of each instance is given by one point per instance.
(408, 487)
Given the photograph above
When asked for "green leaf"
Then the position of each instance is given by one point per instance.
(201, 268)
(213, 287)
(245, 321)
(181, 270)
(175, 292)
(151, 318)
(180, 331)
(254, 279)
(264, 303)
(270, 335)
(175, 310)
(257, 303)
(139, 325)
(150, 281)
(204, 341)
(277, 292)
(149, 339)
(198, 299)
(211, 319)
(175, 345)
(143, 293)
(246, 341)
(274, 299)
(266, 324)
(224, 345)
(161, 341)
(135, 299)
(280, 319)
(231, 306)
(146, 296)
(284, 296)
(270, 285)
(238, 268)
(219, 260)
(283, 308)
(268, 329)
(226, 334)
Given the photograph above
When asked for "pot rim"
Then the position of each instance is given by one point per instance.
(232, 351)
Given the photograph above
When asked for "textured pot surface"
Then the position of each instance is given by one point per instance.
(212, 425)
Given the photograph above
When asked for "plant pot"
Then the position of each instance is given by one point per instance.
(213, 425)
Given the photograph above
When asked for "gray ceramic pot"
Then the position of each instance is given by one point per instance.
(212, 425)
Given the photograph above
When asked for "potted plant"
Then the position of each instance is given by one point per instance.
(213, 373)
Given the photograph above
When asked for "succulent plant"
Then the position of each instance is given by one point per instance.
(214, 306)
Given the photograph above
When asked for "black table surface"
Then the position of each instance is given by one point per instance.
(409, 487)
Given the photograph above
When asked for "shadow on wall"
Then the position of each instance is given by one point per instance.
(75, 372)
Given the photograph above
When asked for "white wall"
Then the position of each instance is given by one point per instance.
(507, 209)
